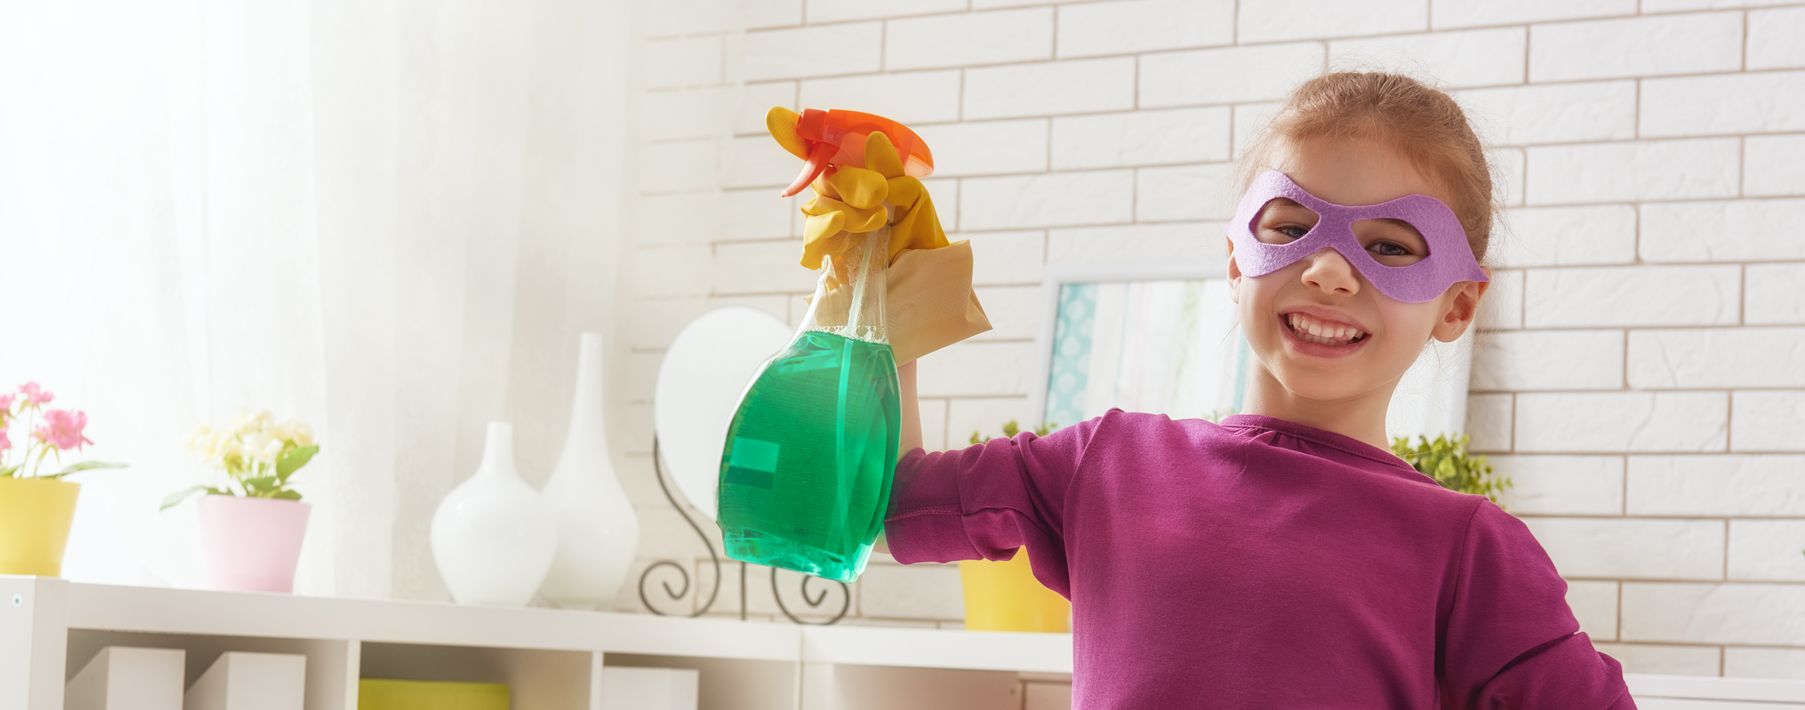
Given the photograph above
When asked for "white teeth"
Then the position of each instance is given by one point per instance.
(1318, 331)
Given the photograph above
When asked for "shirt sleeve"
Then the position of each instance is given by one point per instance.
(987, 500)
(1509, 639)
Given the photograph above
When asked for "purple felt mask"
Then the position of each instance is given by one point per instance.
(1450, 260)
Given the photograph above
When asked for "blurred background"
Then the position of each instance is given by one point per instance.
(393, 219)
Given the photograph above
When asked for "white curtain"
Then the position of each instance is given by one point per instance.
(388, 219)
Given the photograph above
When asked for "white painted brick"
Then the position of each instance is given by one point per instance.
(985, 416)
(760, 267)
(757, 161)
(1274, 20)
(1612, 422)
(771, 13)
(1767, 550)
(1229, 75)
(701, 217)
(1721, 231)
(1489, 423)
(843, 10)
(711, 111)
(1643, 170)
(1014, 311)
(1667, 660)
(1143, 26)
(976, 368)
(1768, 421)
(685, 61)
(1652, 6)
(654, 322)
(1782, 663)
(1096, 197)
(1632, 295)
(910, 97)
(1773, 294)
(1006, 257)
(989, 4)
(1548, 360)
(1637, 46)
(1714, 613)
(1773, 165)
(1594, 604)
(911, 592)
(1729, 485)
(1717, 357)
(671, 271)
(945, 194)
(1561, 485)
(677, 165)
(1632, 549)
(1508, 174)
(1774, 38)
(642, 374)
(969, 38)
(1501, 308)
(1564, 236)
(1447, 59)
(1166, 245)
(687, 17)
(810, 51)
(987, 147)
(1160, 137)
(1189, 192)
(1553, 113)
(1467, 13)
(1050, 88)
(1250, 121)
(1765, 102)
(933, 424)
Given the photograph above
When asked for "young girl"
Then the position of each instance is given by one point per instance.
(1284, 557)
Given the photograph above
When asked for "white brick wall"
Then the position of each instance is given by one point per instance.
(1640, 367)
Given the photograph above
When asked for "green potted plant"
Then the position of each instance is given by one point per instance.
(37, 507)
(253, 522)
(1005, 596)
(1447, 461)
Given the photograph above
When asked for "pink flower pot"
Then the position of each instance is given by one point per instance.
(252, 544)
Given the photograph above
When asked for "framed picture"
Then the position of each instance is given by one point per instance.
(1168, 340)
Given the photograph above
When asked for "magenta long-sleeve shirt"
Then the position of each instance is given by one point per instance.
(1259, 562)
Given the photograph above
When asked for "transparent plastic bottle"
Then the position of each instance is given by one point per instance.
(807, 466)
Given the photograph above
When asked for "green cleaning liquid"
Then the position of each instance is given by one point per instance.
(806, 470)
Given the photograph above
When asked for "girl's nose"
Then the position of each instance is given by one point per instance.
(1328, 270)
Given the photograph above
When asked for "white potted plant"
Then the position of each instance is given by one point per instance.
(37, 506)
(252, 522)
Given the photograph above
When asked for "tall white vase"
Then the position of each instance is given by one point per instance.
(598, 532)
(493, 537)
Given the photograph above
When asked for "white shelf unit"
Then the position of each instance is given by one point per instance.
(553, 659)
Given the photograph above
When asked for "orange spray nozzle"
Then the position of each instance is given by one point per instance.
(837, 137)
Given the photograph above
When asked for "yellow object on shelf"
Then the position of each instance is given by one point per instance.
(1005, 596)
(35, 515)
(393, 694)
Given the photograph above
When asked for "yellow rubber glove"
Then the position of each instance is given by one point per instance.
(929, 303)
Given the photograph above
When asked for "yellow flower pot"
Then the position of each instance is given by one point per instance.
(393, 694)
(1005, 596)
(35, 515)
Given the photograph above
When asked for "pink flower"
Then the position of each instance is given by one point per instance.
(62, 429)
(35, 394)
(5, 443)
(6, 402)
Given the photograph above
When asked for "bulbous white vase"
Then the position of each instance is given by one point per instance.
(598, 532)
(493, 537)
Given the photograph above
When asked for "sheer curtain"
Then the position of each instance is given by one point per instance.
(388, 219)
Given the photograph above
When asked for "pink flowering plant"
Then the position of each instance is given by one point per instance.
(45, 433)
(257, 454)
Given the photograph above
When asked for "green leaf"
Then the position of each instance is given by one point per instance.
(286, 494)
(85, 466)
(293, 459)
(176, 498)
(259, 486)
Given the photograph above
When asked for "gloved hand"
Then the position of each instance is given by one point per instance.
(929, 303)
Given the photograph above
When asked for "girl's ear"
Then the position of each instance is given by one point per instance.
(1234, 273)
(1462, 307)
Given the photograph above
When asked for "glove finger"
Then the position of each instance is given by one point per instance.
(861, 188)
(855, 220)
(780, 122)
(880, 155)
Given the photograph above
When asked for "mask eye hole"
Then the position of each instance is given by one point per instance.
(1282, 221)
(1391, 242)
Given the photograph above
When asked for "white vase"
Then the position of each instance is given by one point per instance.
(598, 532)
(493, 537)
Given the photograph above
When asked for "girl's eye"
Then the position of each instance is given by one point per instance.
(1396, 249)
(1301, 231)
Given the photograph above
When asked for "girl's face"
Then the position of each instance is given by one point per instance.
(1390, 333)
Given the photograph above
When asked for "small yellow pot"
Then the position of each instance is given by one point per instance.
(1005, 596)
(35, 515)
